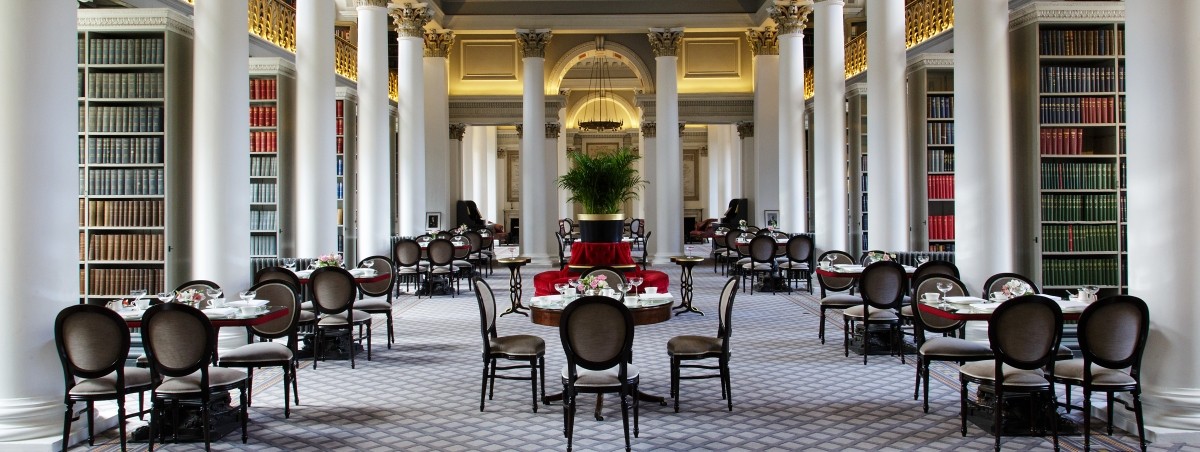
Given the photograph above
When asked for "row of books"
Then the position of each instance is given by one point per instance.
(114, 150)
(939, 133)
(1078, 176)
(263, 192)
(264, 141)
(263, 116)
(263, 88)
(1074, 79)
(1078, 272)
(940, 107)
(141, 213)
(134, 85)
(1063, 141)
(947, 247)
(1078, 110)
(126, 247)
(340, 166)
(266, 166)
(263, 220)
(263, 245)
(121, 118)
(941, 161)
(122, 51)
(339, 109)
(122, 182)
(1060, 207)
(341, 124)
(941, 227)
(339, 189)
(1082, 42)
(118, 282)
(341, 145)
(940, 186)
(1079, 237)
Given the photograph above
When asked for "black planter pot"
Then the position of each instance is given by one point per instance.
(601, 228)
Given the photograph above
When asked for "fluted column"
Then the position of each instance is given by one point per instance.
(556, 206)
(668, 227)
(438, 187)
(829, 131)
(762, 169)
(1163, 48)
(791, 17)
(649, 150)
(410, 20)
(983, 176)
(713, 191)
(458, 166)
(747, 145)
(537, 214)
(374, 145)
(315, 224)
(37, 95)
(887, 150)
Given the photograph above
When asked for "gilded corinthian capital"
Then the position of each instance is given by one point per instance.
(411, 18)
(763, 42)
(533, 42)
(438, 43)
(375, 3)
(665, 41)
(791, 15)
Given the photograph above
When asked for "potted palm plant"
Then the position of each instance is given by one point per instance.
(602, 184)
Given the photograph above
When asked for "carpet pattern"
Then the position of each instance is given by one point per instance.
(790, 392)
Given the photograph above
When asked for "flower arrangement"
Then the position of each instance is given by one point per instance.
(462, 228)
(190, 296)
(1016, 288)
(594, 282)
(329, 260)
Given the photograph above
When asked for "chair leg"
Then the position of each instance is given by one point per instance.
(1109, 399)
(1053, 416)
(637, 405)
(67, 424)
(250, 384)
(91, 414)
(962, 404)
(295, 385)
(317, 333)
(542, 375)
(390, 332)
(368, 339)
(821, 332)
(533, 380)
(846, 336)
(1087, 418)
(153, 420)
(900, 342)
(483, 389)
(244, 417)
(675, 381)
(349, 336)
(287, 381)
(492, 381)
(625, 417)
(206, 424)
(728, 388)
(917, 383)
(866, 336)
(1137, 414)
(998, 415)
(925, 382)
(120, 420)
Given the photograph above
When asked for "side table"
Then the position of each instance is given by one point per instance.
(685, 282)
(514, 265)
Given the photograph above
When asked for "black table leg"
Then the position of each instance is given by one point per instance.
(685, 287)
(514, 285)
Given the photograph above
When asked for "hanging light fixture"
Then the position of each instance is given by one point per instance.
(601, 117)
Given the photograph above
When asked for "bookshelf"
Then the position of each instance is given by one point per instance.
(134, 95)
(272, 111)
(346, 113)
(856, 165)
(931, 142)
(1070, 101)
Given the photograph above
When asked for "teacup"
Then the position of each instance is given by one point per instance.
(216, 303)
(930, 297)
(248, 310)
(651, 290)
(999, 296)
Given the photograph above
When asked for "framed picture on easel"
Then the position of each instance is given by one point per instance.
(433, 220)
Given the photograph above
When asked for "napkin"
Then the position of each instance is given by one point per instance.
(848, 267)
(304, 273)
(1071, 305)
(654, 296)
(220, 312)
(363, 272)
(986, 306)
(965, 300)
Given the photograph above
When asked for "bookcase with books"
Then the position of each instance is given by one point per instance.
(272, 111)
(931, 143)
(1070, 129)
(346, 114)
(134, 69)
(856, 159)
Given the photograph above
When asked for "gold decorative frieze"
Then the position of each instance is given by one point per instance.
(925, 19)
(345, 58)
(274, 21)
(533, 42)
(665, 41)
(393, 86)
(856, 55)
(438, 43)
(764, 41)
(790, 15)
(809, 83)
(410, 19)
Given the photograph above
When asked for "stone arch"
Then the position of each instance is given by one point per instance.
(588, 49)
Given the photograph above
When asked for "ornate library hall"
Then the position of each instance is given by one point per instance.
(454, 225)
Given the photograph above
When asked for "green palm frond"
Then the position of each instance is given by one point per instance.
(602, 183)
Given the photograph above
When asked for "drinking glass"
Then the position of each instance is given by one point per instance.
(368, 263)
(137, 295)
(289, 263)
(247, 295)
(213, 294)
(164, 297)
(574, 282)
(1090, 291)
(827, 262)
(635, 282)
(561, 288)
(944, 287)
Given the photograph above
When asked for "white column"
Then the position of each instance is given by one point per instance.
(536, 212)
(374, 143)
(790, 17)
(746, 146)
(37, 103)
(829, 131)
(491, 168)
(315, 224)
(668, 227)
(410, 20)
(887, 150)
(458, 166)
(715, 175)
(649, 161)
(221, 160)
(1163, 178)
(556, 205)
(733, 172)
(437, 123)
(982, 176)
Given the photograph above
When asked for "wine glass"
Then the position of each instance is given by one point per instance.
(624, 287)
(636, 281)
(561, 288)
(247, 295)
(827, 261)
(289, 263)
(137, 295)
(213, 294)
(943, 287)
(164, 297)
(369, 263)
(1090, 291)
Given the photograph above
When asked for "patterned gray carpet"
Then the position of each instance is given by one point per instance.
(790, 391)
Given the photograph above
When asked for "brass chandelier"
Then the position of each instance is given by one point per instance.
(600, 116)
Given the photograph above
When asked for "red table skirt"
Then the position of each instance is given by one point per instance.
(543, 283)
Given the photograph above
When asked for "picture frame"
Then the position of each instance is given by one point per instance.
(771, 217)
(594, 149)
(512, 167)
(690, 171)
(433, 220)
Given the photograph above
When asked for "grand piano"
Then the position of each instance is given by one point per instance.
(739, 209)
(468, 214)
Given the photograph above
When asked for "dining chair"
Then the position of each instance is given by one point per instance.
(611, 275)
(441, 264)
(644, 260)
(739, 247)
(93, 343)
(798, 252)
(200, 285)
(475, 254)
(718, 246)
(376, 297)
(334, 291)
(406, 254)
(999, 281)
(944, 346)
(265, 352)
(762, 260)
(1112, 338)
(836, 301)
(597, 338)
(1024, 335)
(691, 348)
(934, 267)
(562, 252)
(882, 286)
(277, 273)
(517, 347)
(729, 254)
(180, 368)
(489, 248)
(462, 258)
(308, 315)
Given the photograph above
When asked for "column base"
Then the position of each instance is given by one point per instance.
(36, 424)
(1169, 418)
